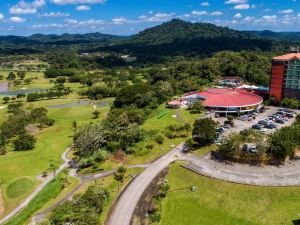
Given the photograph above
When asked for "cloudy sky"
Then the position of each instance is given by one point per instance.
(25, 17)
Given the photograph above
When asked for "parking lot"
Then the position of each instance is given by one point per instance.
(270, 120)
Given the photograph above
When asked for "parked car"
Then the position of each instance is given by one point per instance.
(220, 130)
(227, 126)
(256, 127)
(281, 121)
(264, 122)
(271, 126)
(290, 115)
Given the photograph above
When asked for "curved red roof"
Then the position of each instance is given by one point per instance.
(225, 97)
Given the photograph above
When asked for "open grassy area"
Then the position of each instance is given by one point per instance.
(223, 203)
(38, 81)
(51, 143)
(48, 194)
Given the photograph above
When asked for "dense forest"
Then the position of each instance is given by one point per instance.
(173, 38)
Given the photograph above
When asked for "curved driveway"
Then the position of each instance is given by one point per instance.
(287, 175)
(124, 209)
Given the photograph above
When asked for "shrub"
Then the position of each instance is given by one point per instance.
(24, 142)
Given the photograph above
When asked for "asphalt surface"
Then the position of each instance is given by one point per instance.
(124, 208)
(285, 175)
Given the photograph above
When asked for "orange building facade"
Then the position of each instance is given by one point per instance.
(285, 80)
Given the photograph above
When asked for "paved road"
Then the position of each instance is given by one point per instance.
(124, 209)
(45, 181)
(83, 179)
(287, 175)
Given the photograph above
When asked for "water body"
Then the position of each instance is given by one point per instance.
(80, 103)
(21, 91)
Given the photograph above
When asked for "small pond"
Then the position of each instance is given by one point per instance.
(20, 91)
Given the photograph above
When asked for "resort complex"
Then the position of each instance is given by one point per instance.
(222, 101)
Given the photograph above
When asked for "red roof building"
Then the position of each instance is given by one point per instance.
(226, 100)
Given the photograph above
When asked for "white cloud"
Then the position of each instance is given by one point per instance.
(160, 17)
(27, 8)
(54, 14)
(53, 25)
(91, 22)
(286, 11)
(1, 16)
(83, 8)
(205, 4)
(198, 13)
(216, 13)
(242, 6)
(270, 18)
(236, 1)
(249, 19)
(75, 2)
(238, 16)
(119, 20)
(17, 19)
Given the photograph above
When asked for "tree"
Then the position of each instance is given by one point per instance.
(61, 80)
(21, 74)
(204, 132)
(159, 139)
(119, 175)
(11, 76)
(6, 100)
(24, 142)
(53, 166)
(96, 114)
(164, 187)
(21, 95)
(292, 103)
(74, 125)
(27, 81)
(187, 127)
(197, 107)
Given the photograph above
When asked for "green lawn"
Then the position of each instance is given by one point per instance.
(51, 143)
(19, 187)
(223, 203)
(49, 193)
(38, 81)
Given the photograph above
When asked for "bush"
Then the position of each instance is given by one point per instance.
(159, 139)
(24, 142)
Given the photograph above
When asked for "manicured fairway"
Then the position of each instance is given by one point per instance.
(223, 203)
(51, 143)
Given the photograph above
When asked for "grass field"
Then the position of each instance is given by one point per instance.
(223, 203)
(51, 142)
(48, 194)
(38, 81)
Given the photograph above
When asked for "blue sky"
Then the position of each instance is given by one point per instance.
(124, 17)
